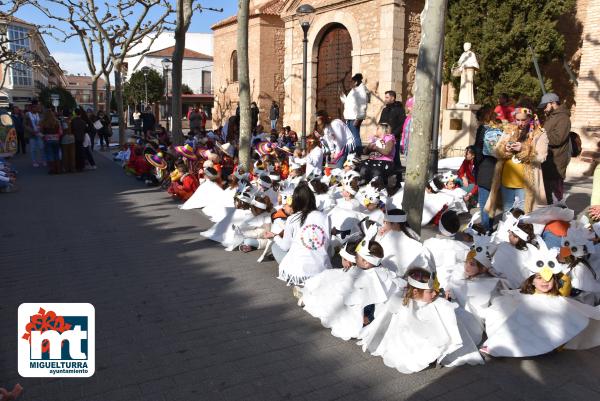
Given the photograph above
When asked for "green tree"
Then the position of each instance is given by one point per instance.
(501, 32)
(134, 90)
(67, 101)
(186, 90)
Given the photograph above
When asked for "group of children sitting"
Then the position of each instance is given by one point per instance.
(8, 177)
(529, 288)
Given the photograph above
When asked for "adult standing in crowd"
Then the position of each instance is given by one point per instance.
(51, 131)
(485, 159)
(195, 119)
(19, 123)
(79, 126)
(393, 114)
(137, 122)
(32, 130)
(557, 127)
(274, 115)
(407, 126)
(504, 110)
(91, 117)
(337, 137)
(355, 109)
(104, 132)
(254, 112)
(67, 144)
(514, 175)
(148, 121)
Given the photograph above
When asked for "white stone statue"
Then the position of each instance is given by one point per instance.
(466, 67)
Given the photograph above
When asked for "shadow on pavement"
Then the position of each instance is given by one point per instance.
(179, 319)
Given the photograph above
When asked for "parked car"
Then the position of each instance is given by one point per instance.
(114, 119)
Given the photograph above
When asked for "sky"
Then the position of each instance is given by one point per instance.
(69, 54)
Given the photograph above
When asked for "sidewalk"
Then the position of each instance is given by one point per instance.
(179, 319)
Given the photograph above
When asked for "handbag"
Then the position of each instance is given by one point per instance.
(98, 125)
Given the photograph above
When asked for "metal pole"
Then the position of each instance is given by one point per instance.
(305, 27)
(167, 104)
(166, 97)
(146, 89)
(537, 70)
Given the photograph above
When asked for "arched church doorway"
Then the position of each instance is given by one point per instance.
(334, 69)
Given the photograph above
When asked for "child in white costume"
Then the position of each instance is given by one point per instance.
(455, 192)
(511, 257)
(577, 247)
(434, 200)
(207, 192)
(370, 199)
(252, 231)
(339, 297)
(265, 184)
(349, 191)
(537, 319)
(415, 328)
(444, 248)
(322, 196)
(305, 239)
(400, 247)
(475, 285)
(223, 231)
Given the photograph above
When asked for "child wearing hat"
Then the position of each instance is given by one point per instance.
(538, 318)
(187, 184)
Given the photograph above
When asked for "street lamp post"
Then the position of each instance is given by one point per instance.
(167, 65)
(145, 70)
(305, 13)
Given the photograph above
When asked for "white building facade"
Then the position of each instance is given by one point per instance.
(22, 83)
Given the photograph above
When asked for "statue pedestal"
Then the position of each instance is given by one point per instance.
(458, 129)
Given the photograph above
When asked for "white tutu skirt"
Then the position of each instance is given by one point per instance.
(411, 337)
(223, 230)
(521, 325)
(205, 194)
(338, 298)
(220, 205)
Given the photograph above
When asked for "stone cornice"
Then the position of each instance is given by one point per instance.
(289, 13)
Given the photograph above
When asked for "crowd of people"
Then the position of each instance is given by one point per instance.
(521, 278)
(61, 140)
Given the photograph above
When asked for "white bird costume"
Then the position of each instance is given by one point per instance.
(411, 337)
(338, 297)
(521, 325)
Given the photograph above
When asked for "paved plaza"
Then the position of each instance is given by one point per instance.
(177, 318)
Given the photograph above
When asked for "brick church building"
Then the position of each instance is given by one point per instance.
(379, 39)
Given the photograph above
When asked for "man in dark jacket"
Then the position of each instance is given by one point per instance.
(274, 115)
(393, 114)
(557, 126)
(148, 121)
(79, 126)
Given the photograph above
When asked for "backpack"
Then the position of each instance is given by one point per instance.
(575, 140)
(490, 139)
